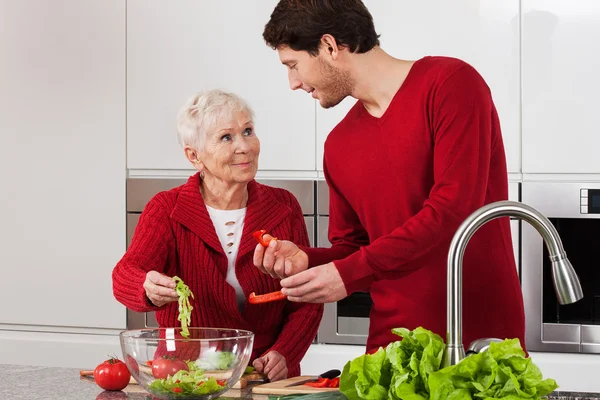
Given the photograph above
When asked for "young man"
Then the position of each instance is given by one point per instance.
(417, 154)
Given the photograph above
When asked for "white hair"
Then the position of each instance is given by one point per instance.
(203, 111)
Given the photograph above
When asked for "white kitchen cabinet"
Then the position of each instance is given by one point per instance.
(175, 49)
(560, 86)
(483, 33)
(62, 162)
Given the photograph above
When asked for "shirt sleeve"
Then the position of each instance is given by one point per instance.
(462, 121)
(151, 247)
(301, 321)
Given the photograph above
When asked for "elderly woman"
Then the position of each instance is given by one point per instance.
(202, 232)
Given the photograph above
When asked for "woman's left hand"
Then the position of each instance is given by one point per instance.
(273, 365)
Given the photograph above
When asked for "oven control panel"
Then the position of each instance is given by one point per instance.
(590, 201)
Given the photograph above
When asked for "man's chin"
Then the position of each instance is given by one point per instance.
(329, 103)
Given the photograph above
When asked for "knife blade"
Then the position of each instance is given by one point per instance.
(332, 373)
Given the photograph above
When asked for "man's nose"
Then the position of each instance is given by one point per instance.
(295, 83)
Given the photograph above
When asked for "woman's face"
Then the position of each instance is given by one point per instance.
(231, 150)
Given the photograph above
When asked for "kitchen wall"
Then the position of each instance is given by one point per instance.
(89, 95)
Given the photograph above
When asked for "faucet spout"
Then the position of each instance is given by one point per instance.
(566, 283)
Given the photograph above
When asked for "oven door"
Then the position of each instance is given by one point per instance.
(573, 328)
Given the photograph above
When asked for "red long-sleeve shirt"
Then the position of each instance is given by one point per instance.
(400, 185)
(175, 236)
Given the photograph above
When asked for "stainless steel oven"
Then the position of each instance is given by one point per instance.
(574, 209)
(140, 190)
(346, 321)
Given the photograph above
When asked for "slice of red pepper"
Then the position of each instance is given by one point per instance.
(265, 298)
(334, 383)
(322, 382)
(258, 235)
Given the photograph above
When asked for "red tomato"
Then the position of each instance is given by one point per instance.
(163, 367)
(112, 374)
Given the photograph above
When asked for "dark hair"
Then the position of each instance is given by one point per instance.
(300, 24)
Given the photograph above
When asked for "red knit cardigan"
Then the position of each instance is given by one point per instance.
(175, 236)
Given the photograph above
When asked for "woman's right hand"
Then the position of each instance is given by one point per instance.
(160, 289)
(280, 259)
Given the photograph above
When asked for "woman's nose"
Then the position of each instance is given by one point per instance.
(242, 145)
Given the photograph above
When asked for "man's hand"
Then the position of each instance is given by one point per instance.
(322, 284)
(273, 365)
(280, 259)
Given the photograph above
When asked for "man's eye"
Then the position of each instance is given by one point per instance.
(226, 138)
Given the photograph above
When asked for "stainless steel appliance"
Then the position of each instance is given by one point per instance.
(574, 210)
(346, 321)
(140, 190)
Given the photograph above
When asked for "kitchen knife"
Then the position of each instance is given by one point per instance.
(332, 373)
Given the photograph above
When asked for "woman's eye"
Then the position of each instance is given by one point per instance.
(248, 132)
(226, 138)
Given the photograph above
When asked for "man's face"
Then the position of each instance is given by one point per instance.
(316, 75)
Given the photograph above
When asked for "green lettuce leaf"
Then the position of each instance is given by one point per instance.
(366, 377)
(501, 372)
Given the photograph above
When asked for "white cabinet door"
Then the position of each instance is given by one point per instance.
(176, 48)
(62, 161)
(484, 33)
(561, 117)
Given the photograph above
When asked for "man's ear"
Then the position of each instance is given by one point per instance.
(329, 46)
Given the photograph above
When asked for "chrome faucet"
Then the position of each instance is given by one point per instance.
(566, 283)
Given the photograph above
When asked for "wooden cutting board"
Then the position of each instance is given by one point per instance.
(282, 387)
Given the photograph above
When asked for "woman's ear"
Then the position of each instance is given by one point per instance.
(193, 157)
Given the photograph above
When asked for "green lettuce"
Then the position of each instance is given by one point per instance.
(187, 383)
(409, 369)
(413, 359)
(400, 371)
(501, 372)
(218, 360)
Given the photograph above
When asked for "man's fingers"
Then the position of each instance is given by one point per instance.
(309, 292)
(259, 254)
(299, 279)
(279, 268)
(269, 258)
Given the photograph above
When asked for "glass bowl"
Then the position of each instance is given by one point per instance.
(203, 365)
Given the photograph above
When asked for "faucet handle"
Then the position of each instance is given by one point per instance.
(479, 345)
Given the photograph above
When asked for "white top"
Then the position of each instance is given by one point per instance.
(229, 225)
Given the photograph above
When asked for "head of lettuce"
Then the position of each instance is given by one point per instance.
(409, 369)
